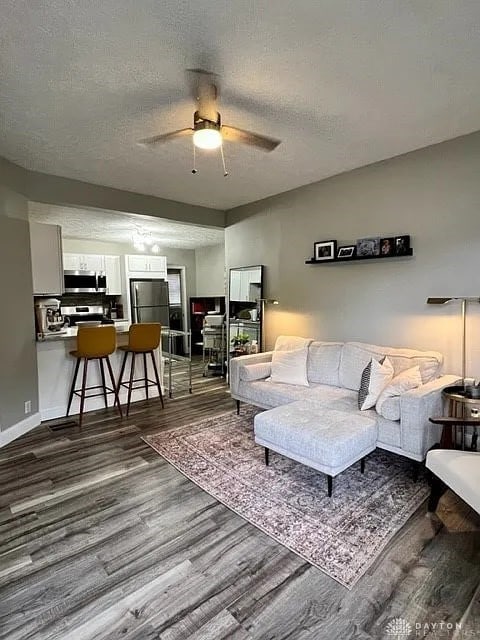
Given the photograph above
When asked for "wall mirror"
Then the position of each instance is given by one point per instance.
(245, 289)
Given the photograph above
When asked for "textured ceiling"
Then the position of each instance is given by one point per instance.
(343, 83)
(111, 226)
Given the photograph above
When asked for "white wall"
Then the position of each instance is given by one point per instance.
(210, 270)
(432, 194)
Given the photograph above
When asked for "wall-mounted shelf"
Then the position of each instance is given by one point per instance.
(408, 253)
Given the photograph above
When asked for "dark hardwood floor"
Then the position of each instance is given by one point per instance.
(101, 538)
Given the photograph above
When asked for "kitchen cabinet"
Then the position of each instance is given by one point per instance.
(113, 275)
(154, 266)
(46, 252)
(83, 262)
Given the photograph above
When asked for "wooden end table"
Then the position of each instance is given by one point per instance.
(462, 412)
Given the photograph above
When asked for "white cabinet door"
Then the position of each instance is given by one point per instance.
(158, 264)
(137, 263)
(72, 261)
(235, 285)
(113, 275)
(46, 250)
(93, 262)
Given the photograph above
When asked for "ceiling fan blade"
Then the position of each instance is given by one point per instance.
(165, 137)
(204, 90)
(232, 134)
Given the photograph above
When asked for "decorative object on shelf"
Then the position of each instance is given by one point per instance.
(464, 301)
(402, 245)
(368, 247)
(346, 252)
(387, 247)
(325, 250)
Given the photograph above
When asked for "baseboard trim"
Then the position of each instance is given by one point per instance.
(17, 430)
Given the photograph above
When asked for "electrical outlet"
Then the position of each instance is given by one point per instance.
(475, 413)
(28, 406)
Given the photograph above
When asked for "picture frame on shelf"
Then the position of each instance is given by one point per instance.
(368, 247)
(324, 250)
(346, 252)
(402, 245)
(387, 247)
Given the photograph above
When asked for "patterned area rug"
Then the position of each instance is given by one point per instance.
(342, 535)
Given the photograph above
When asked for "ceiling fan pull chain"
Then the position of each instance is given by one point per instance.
(225, 172)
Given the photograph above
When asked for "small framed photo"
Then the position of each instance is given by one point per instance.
(387, 247)
(325, 250)
(368, 247)
(346, 252)
(402, 245)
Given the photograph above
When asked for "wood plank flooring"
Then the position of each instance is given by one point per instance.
(101, 538)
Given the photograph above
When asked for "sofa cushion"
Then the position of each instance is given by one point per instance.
(267, 394)
(290, 343)
(256, 371)
(390, 408)
(356, 356)
(290, 367)
(323, 362)
(406, 380)
(389, 432)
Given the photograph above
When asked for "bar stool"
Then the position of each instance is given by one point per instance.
(143, 338)
(94, 343)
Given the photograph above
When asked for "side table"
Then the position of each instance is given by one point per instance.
(449, 432)
(460, 405)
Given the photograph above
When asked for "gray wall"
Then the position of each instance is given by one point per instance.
(432, 194)
(42, 187)
(18, 361)
(210, 269)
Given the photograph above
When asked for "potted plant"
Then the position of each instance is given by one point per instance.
(239, 342)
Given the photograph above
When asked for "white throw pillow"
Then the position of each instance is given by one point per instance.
(290, 367)
(380, 376)
(408, 379)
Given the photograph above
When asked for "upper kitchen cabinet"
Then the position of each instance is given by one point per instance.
(113, 275)
(150, 266)
(47, 266)
(83, 262)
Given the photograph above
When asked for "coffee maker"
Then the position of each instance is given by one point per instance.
(47, 312)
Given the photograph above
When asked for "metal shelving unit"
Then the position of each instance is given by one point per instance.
(178, 368)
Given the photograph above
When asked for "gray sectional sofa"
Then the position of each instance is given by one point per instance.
(334, 372)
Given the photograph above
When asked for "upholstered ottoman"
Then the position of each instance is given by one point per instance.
(325, 439)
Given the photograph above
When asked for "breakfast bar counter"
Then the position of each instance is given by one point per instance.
(56, 367)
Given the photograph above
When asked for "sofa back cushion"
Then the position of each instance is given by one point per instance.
(356, 356)
(323, 362)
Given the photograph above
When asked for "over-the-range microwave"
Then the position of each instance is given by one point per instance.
(85, 282)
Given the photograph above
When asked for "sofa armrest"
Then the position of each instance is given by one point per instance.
(240, 361)
(418, 434)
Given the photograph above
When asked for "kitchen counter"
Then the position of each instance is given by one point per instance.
(56, 367)
(121, 326)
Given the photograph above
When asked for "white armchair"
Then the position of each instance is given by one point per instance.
(458, 470)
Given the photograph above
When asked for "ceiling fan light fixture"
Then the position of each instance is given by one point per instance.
(207, 136)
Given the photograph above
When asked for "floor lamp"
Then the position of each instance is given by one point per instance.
(262, 302)
(464, 323)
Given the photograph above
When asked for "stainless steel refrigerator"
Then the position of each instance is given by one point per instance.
(149, 301)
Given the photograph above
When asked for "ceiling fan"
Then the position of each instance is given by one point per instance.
(208, 131)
